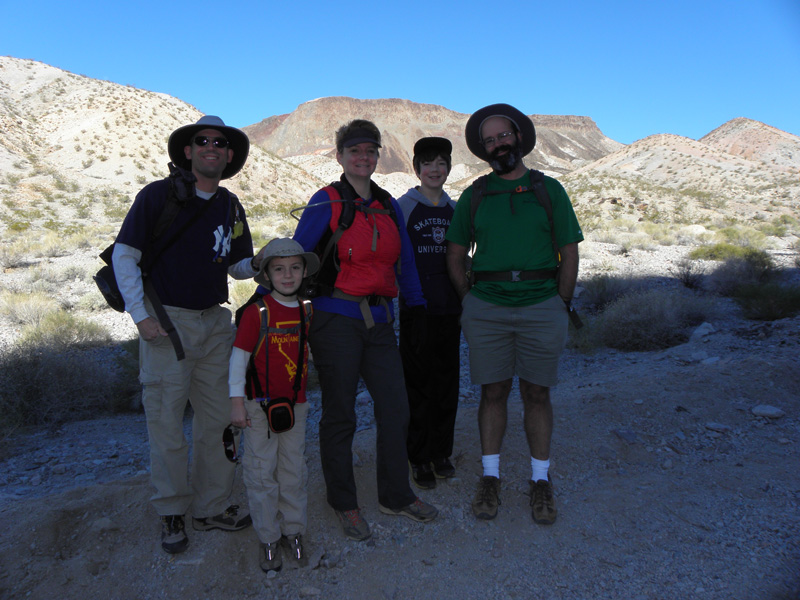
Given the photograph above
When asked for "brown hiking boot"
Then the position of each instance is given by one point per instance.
(487, 498)
(543, 504)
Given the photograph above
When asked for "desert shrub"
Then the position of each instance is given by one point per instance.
(769, 301)
(689, 273)
(13, 255)
(725, 251)
(44, 385)
(27, 309)
(50, 245)
(742, 236)
(601, 290)
(649, 320)
(240, 291)
(60, 330)
(773, 229)
(753, 268)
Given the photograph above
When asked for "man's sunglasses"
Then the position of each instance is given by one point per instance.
(217, 142)
(229, 437)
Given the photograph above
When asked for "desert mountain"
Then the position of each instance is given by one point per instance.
(90, 145)
(742, 170)
(563, 143)
(756, 141)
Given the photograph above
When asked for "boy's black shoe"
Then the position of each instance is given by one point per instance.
(443, 468)
(173, 534)
(422, 476)
(231, 519)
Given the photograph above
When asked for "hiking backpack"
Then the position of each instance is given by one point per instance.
(322, 283)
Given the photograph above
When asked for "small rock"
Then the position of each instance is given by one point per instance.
(104, 524)
(626, 434)
(309, 591)
(718, 427)
(702, 331)
(765, 410)
(710, 361)
(667, 464)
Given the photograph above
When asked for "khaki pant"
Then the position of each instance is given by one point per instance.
(276, 475)
(202, 379)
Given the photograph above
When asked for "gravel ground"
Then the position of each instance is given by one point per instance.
(675, 474)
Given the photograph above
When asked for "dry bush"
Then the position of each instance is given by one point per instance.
(689, 273)
(768, 302)
(60, 330)
(649, 320)
(752, 268)
(601, 290)
(27, 309)
(45, 385)
(51, 245)
(14, 253)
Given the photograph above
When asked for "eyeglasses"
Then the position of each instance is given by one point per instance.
(491, 141)
(229, 442)
(217, 142)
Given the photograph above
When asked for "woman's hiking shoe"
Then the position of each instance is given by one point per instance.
(443, 468)
(269, 557)
(487, 498)
(543, 505)
(231, 519)
(173, 534)
(422, 476)
(293, 547)
(417, 510)
(354, 525)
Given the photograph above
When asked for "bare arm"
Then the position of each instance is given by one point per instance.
(457, 268)
(568, 275)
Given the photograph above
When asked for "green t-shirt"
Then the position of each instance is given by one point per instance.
(512, 234)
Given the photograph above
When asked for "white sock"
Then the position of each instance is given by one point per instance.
(491, 465)
(539, 469)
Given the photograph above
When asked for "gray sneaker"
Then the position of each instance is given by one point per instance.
(354, 525)
(487, 498)
(173, 534)
(269, 557)
(417, 510)
(231, 519)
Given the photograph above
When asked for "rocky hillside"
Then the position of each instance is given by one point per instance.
(563, 143)
(90, 145)
(75, 140)
(742, 170)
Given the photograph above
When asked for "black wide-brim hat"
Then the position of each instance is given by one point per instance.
(182, 137)
(522, 122)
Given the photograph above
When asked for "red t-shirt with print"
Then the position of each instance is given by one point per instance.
(283, 347)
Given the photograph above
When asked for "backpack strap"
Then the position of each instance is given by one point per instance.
(252, 384)
(537, 186)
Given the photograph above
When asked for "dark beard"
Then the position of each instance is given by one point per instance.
(508, 162)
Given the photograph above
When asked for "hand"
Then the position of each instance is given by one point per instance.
(239, 413)
(150, 329)
(419, 328)
(258, 259)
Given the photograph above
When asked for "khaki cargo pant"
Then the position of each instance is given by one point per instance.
(202, 379)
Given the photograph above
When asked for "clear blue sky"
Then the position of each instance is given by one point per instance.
(636, 68)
